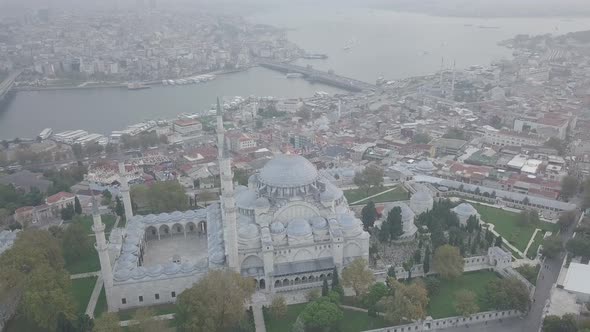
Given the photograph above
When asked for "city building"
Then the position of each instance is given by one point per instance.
(187, 127)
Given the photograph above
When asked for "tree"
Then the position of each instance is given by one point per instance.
(241, 176)
(407, 265)
(164, 196)
(529, 272)
(496, 122)
(578, 246)
(77, 150)
(392, 227)
(321, 315)
(557, 144)
(215, 303)
(508, 293)
(426, 264)
(566, 219)
(407, 302)
(498, 242)
(369, 178)
(107, 322)
(552, 246)
(358, 276)
(466, 302)
(76, 243)
(335, 278)
(421, 138)
(313, 294)
(566, 323)
(84, 323)
(278, 307)
(146, 321)
(376, 292)
(119, 209)
(47, 295)
(448, 262)
(77, 206)
(569, 186)
(369, 215)
(68, 212)
(107, 197)
(455, 133)
(325, 288)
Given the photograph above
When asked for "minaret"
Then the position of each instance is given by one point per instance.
(125, 192)
(453, 82)
(228, 203)
(103, 254)
(442, 64)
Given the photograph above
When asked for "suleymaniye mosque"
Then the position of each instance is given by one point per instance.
(286, 230)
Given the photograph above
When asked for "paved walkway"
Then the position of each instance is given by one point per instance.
(133, 322)
(85, 275)
(377, 194)
(94, 297)
(258, 318)
(532, 240)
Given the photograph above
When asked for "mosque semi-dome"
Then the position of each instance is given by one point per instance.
(287, 171)
(298, 227)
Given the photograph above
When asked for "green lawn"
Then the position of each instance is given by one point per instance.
(101, 304)
(532, 252)
(397, 194)
(506, 224)
(107, 219)
(81, 291)
(162, 309)
(354, 321)
(88, 263)
(441, 304)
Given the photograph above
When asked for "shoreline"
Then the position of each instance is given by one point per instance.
(118, 85)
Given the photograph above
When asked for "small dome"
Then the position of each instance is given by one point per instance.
(245, 199)
(248, 231)
(319, 222)
(298, 227)
(277, 227)
(288, 171)
(425, 166)
(262, 203)
(465, 210)
(347, 221)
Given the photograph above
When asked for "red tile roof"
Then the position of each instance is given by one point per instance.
(59, 196)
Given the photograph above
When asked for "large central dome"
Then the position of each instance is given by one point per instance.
(288, 171)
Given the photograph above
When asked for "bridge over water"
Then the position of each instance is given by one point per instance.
(314, 75)
(6, 85)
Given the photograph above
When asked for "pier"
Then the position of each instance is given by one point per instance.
(314, 75)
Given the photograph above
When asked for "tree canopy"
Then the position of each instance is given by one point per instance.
(508, 293)
(406, 303)
(358, 276)
(107, 322)
(392, 226)
(215, 303)
(369, 178)
(321, 315)
(75, 241)
(566, 323)
(448, 261)
(569, 186)
(369, 215)
(552, 246)
(466, 302)
(163, 196)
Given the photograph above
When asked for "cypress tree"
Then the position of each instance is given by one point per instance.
(325, 289)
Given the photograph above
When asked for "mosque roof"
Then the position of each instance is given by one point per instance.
(298, 227)
(421, 196)
(288, 171)
(465, 209)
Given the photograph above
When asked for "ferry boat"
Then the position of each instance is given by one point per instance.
(45, 133)
(315, 56)
(137, 86)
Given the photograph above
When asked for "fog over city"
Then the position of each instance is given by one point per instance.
(294, 165)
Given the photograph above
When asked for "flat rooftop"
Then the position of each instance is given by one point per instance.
(577, 278)
(191, 249)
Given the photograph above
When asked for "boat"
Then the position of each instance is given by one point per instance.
(137, 86)
(45, 133)
(294, 75)
(315, 56)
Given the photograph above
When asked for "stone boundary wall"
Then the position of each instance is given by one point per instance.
(430, 324)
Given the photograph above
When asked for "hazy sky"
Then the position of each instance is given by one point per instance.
(442, 7)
